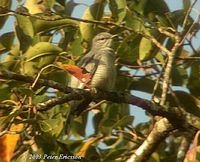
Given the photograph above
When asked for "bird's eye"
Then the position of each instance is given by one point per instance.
(40, 2)
(103, 38)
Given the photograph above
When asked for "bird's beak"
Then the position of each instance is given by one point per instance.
(117, 37)
(114, 36)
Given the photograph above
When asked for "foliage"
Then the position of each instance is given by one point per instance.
(43, 42)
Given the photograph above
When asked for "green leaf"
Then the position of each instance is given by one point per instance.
(143, 127)
(24, 157)
(148, 88)
(123, 83)
(70, 144)
(160, 58)
(78, 127)
(169, 157)
(52, 126)
(106, 126)
(5, 4)
(4, 92)
(186, 4)
(41, 49)
(40, 98)
(147, 9)
(12, 59)
(92, 154)
(61, 76)
(138, 6)
(96, 121)
(115, 111)
(179, 76)
(6, 41)
(112, 114)
(40, 55)
(41, 26)
(45, 126)
(47, 142)
(110, 140)
(3, 120)
(24, 91)
(145, 49)
(69, 36)
(76, 47)
(133, 21)
(24, 31)
(94, 12)
(35, 6)
(61, 2)
(118, 9)
(69, 7)
(194, 80)
(124, 121)
(113, 154)
(128, 50)
(177, 18)
(157, 7)
(155, 157)
(188, 102)
(162, 20)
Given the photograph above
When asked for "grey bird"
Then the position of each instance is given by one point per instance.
(99, 62)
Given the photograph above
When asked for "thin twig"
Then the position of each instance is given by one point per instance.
(94, 106)
(168, 69)
(187, 14)
(40, 72)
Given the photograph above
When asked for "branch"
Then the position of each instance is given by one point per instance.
(189, 58)
(41, 82)
(188, 14)
(74, 19)
(184, 146)
(159, 132)
(180, 119)
(57, 101)
(131, 66)
(168, 69)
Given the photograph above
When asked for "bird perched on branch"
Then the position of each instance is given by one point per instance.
(99, 62)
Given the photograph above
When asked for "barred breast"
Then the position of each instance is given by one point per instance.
(105, 74)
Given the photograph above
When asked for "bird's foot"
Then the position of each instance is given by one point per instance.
(93, 90)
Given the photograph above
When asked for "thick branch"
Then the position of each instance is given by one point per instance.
(180, 119)
(160, 131)
(40, 82)
(57, 101)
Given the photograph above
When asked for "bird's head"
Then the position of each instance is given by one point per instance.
(103, 40)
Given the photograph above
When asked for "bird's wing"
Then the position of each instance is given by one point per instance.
(86, 59)
(89, 62)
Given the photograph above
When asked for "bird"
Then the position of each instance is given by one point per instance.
(99, 62)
